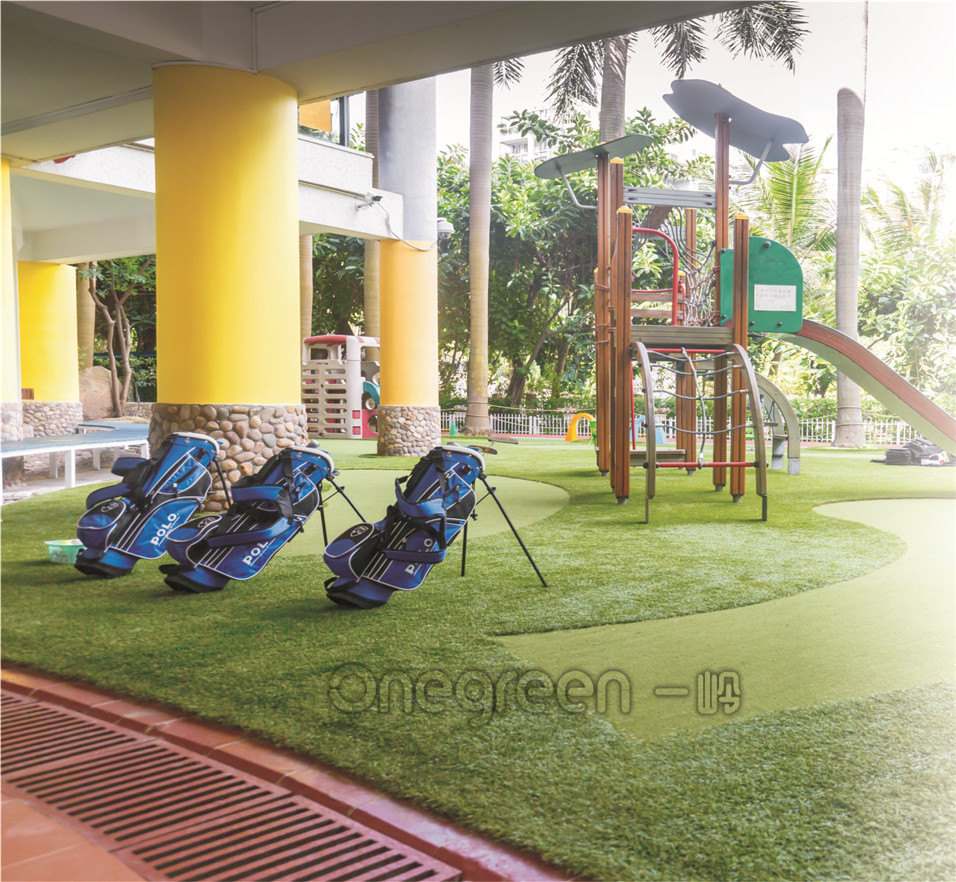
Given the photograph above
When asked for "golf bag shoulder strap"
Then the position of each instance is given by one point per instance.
(276, 528)
(429, 508)
(125, 464)
(435, 532)
(268, 493)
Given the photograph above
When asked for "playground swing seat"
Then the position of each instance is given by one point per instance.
(132, 520)
(269, 508)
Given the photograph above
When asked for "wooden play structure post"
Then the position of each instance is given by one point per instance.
(621, 425)
(601, 327)
(738, 407)
(721, 241)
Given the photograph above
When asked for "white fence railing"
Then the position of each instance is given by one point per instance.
(879, 431)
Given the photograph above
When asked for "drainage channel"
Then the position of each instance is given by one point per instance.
(169, 814)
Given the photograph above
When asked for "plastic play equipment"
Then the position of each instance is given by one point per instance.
(132, 520)
(372, 561)
(268, 509)
(340, 389)
(572, 433)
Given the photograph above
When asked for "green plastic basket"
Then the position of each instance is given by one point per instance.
(63, 550)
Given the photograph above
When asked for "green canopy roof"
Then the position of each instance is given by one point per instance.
(580, 160)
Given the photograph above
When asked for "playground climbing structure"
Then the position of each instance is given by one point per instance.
(689, 339)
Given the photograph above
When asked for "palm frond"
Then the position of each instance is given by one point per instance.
(509, 71)
(788, 202)
(765, 30)
(574, 76)
(681, 44)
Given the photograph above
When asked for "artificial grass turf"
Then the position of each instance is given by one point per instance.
(888, 629)
(854, 788)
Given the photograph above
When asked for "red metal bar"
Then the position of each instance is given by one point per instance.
(689, 351)
(706, 465)
(676, 283)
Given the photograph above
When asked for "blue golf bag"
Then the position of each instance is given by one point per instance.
(370, 561)
(132, 520)
(268, 509)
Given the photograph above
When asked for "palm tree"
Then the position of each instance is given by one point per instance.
(788, 202)
(849, 424)
(483, 81)
(909, 277)
(773, 30)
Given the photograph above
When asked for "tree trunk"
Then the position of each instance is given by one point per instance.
(477, 421)
(613, 86)
(85, 318)
(564, 347)
(306, 286)
(519, 374)
(849, 425)
(370, 306)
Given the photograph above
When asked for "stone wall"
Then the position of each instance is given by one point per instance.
(406, 430)
(51, 417)
(142, 409)
(12, 418)
(251, 434)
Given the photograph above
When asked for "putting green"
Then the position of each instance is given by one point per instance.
(371, 490)
(893, 628)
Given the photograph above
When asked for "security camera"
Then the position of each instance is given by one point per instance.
(445, 232)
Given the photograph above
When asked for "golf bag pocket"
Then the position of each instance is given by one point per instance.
(131, 520)
(268, 510)
(352, 550)
(371, 561)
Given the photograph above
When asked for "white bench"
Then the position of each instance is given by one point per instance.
(128, 436)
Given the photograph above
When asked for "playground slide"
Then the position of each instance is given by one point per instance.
(884, 384)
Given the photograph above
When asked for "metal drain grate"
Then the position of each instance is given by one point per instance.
(287, 839)
(171, 815)
(34, 733)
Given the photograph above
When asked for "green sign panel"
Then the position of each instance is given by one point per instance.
(775, 288)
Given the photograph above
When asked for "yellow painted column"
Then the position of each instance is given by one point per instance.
(8, 317)
(11, 409)
(227, 320)
(408, 413)
(409, 419)
(227, 263)
(48, 350)
(409, 324)
(48, 353)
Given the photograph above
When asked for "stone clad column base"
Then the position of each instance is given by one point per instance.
(251, 432)
(407, 430)
(12, 419)
(52, 417)
(11, 415)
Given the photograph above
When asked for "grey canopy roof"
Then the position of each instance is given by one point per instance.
(558, 166)
(751, 129)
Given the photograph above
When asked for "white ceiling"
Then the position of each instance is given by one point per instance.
(78, 75)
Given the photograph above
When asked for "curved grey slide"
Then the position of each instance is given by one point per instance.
(883, 383)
